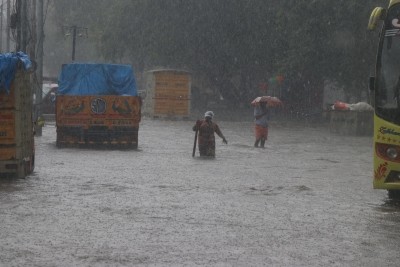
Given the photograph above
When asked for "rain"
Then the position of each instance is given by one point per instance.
(305, 198)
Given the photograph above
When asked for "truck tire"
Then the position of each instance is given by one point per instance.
(32, 164)
(21, 170)
(394, 194)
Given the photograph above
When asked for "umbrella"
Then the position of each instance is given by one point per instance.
(271, 101)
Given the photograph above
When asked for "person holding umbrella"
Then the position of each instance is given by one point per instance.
(261, 116)
(206, 139)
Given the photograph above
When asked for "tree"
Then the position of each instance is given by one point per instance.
(307, 40)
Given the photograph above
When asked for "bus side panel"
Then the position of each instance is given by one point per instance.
(386, 171)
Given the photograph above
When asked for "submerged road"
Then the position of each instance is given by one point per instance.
(305, 200)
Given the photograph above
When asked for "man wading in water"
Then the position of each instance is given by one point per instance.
(206, 139)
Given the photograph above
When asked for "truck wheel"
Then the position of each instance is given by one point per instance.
(394, 194)
(21, 171)
(32, 164)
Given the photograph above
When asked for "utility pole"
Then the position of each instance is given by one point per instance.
(19, 17)
(39, 59)
(33, 43)
(75, 30)
(17, 20)
(1, 26)
(8, 26)
(73, 42)
(22, 25)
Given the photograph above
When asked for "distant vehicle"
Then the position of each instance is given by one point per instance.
(97, 105)
(168, 93)
(385, 89)
(49, 92)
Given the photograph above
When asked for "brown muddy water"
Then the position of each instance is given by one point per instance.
(305, 200)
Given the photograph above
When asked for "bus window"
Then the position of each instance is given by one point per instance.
(388, 89)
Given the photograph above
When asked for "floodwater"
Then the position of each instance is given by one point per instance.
(305, 200)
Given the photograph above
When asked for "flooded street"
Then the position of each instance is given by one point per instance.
(305, 200)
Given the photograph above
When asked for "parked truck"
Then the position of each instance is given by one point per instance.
(97, 105)
(17, 150)
(168, 93)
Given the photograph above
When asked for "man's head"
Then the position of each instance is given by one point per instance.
(209, 115)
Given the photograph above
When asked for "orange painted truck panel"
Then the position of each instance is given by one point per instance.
(98, 120)
(16, 128)
(7, 127)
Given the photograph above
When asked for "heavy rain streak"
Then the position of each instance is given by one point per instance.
(192, 133)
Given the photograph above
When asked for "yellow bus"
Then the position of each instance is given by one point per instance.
(385, 96)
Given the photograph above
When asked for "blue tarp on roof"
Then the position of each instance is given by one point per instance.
(96, 79)
(8, 67)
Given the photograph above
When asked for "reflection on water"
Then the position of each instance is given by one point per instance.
(10, 184)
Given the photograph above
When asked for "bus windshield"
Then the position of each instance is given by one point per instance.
(388, 89)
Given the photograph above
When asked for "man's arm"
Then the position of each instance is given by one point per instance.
(218, 131)
(197, 125)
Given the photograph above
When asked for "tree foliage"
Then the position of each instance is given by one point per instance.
(307, 41)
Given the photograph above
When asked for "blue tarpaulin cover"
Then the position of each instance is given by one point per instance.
(8, 67)
(96, 79)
